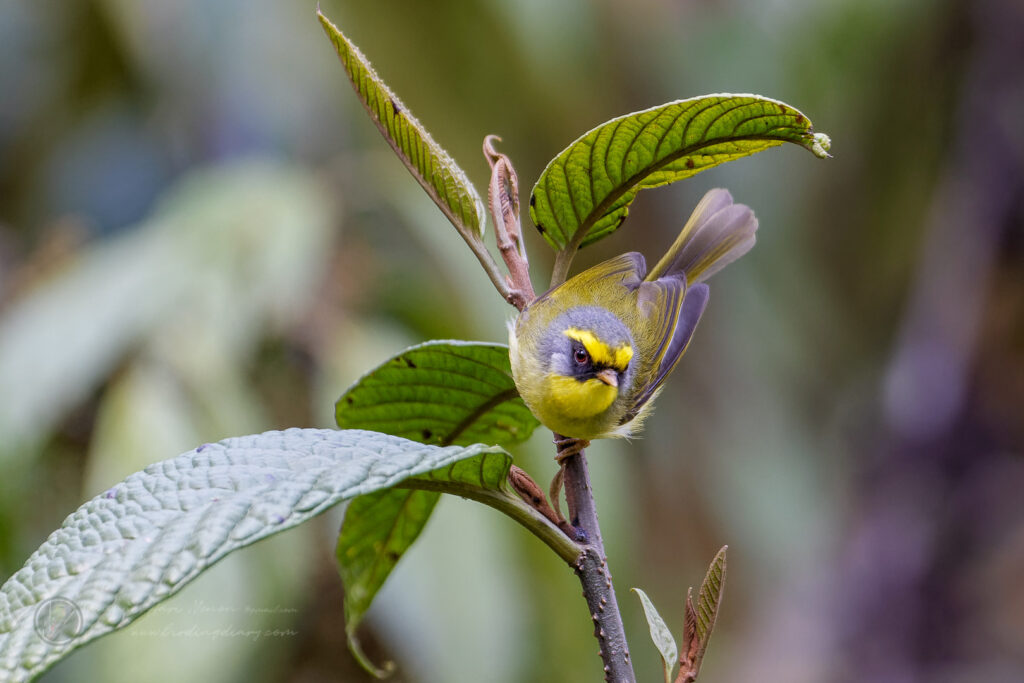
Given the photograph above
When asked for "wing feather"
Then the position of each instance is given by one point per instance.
(685, 320)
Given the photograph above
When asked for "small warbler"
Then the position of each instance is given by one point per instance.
(589, 356)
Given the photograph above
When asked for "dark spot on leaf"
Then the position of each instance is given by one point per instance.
(540, 228)
(800, 120)
(782, 108)
(348, 400)
(409, 363)
(393, 556)
(533, 200)
(427, 434)
(396, 106)
(689, 163)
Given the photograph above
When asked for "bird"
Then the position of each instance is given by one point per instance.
(590, 356)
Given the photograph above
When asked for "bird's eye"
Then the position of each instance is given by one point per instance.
(580, 356)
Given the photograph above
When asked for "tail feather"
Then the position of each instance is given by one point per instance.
(716, 234)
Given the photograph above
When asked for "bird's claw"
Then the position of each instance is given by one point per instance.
(568, 447)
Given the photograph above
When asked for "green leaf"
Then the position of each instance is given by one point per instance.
(378, 529)
(584, 194)
(437, 392)
(660, 634)
(709, 599)
(700, 620)
(381, 526)
(428, 162)
(441, 392)
(140, 542)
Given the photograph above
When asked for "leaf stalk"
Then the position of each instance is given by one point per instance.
(510, 504)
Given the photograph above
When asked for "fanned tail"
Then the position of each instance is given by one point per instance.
(717, 233)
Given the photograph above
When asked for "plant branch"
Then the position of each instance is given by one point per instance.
(588, 560)
(560, 271)
(564, 257)
(514, 507)
(592, 568)
(486, 260)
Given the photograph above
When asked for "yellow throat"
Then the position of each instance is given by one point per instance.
(570, 396)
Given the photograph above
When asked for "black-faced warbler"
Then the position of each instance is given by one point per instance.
(589, 356)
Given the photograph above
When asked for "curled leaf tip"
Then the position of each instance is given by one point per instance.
(489, 150)
(820, 145)
(380, 673)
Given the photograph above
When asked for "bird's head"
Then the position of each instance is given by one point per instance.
(589, 356)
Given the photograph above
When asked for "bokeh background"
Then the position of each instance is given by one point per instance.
(202, 235)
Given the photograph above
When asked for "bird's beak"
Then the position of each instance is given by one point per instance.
(609, 377)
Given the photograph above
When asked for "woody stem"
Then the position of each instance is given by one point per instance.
(592, 569)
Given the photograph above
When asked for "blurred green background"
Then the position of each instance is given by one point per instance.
(202, 235)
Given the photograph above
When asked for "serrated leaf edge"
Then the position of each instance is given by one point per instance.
(478, 225)
(709, 598)
(816, 143)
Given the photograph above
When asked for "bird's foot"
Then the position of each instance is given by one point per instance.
(568, 447)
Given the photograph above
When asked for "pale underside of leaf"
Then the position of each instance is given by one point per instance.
(584, 193)
(660, 634)
(434, 169)
(144, 539)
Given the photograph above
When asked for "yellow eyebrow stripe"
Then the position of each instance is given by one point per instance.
(602, 354)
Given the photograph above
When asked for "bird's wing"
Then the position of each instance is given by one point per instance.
(684, 316)
(628, 269)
